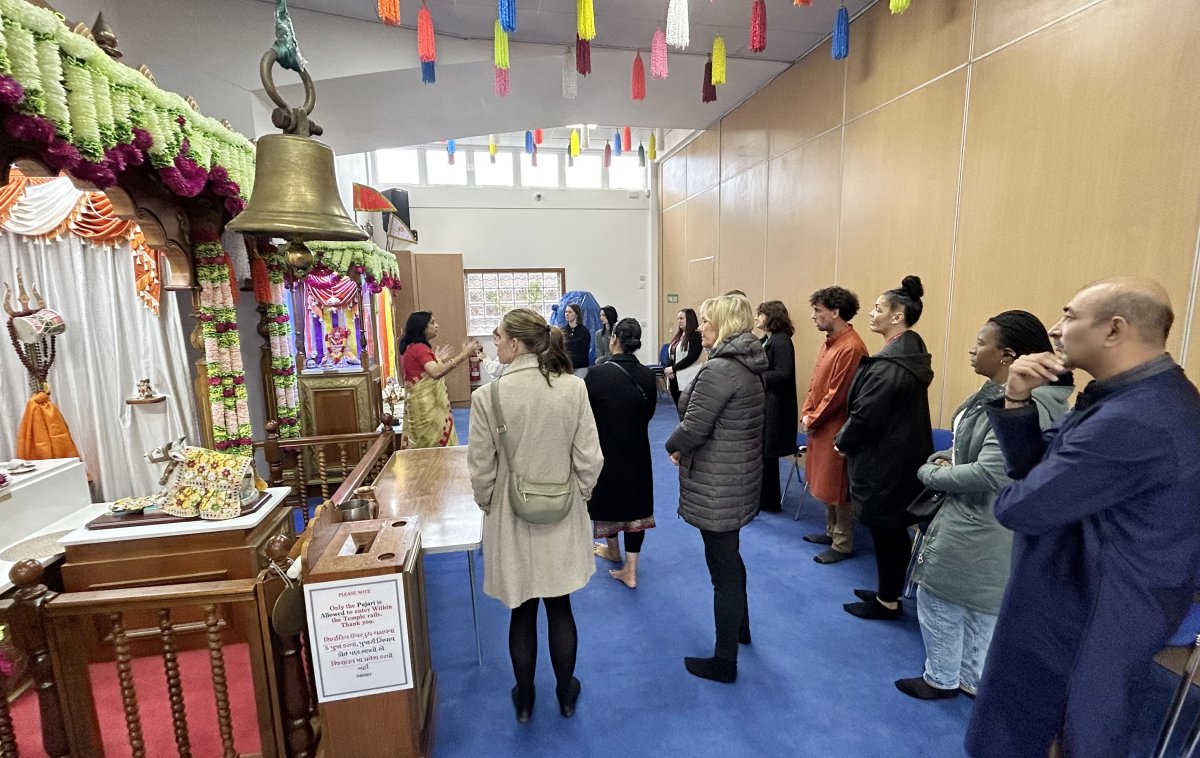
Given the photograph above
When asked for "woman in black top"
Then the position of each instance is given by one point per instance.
(622, 394)
(781, 410)
(683, 352)
(579, 340)
(608, 319)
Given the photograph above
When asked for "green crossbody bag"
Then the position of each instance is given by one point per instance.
(535, 502)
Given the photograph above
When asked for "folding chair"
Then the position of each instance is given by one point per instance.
(660, 378)
(1187, 634)
(796, 472)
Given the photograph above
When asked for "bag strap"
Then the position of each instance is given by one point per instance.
(625, 371)
(501, 427)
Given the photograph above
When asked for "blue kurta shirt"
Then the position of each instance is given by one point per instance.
(1106, 508)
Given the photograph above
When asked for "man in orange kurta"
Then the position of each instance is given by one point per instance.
(825, 410)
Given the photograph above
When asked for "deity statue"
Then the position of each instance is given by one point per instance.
(336, 353)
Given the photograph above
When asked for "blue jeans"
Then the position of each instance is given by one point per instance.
(956, 642)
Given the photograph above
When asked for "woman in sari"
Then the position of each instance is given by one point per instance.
(430, 423)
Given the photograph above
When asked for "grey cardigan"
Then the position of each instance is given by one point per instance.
(720, 437)
(601, 340)
(966, 555)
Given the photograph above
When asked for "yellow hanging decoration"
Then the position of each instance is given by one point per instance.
(898, 6)
(653, 151)
(574, 143)
(585, 19)
(718, 60)
(501, 46)
(491, 144)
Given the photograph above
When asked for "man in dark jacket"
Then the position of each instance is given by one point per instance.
(1104, 508)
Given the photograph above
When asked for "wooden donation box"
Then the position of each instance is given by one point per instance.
(369, 641)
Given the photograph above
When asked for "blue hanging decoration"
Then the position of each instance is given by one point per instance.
(529, 142)
(429, 72)
(841, 34)
(508, 15)
(450, 151)
(617, 143)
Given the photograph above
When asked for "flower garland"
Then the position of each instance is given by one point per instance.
(268, 273)
(94, 117)
(222, 351)
(378, 267)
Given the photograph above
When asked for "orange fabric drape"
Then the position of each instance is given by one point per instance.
(96, 221)
(43, 432)
(11, 192)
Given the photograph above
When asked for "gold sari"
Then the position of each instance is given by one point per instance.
(430, 423)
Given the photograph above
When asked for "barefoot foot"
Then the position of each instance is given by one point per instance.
(625, 576)
(601, 550)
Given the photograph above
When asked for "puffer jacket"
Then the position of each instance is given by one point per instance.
(720, 437)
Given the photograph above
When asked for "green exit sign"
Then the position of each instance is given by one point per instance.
(672, 297)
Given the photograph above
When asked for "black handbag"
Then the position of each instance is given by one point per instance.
(926, 505)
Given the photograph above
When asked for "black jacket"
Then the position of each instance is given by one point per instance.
(888, 435)
(625, 490)
(780, 380)
(579, 345)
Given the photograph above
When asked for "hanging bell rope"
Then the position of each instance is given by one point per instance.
(898, 6)
(677, 24)
(758, 26)
(658, 55)
(841, 34)
(508, 15)
(570, 76)
(389, 12)
(585, 19)
(718, 61)
(426, 45)
(286, 48)
(637, 84)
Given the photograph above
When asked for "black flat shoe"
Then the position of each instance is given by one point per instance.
(922, 690)
(567, 700)
(874, 611)
(716, 669)
(830, 555)
(819, 539)
(523, 706)
(866, 595)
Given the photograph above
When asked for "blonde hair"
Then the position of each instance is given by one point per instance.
(730, 314)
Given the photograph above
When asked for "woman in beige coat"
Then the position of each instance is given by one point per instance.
(551, 436)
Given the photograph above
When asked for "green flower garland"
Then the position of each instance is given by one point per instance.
(223, 353)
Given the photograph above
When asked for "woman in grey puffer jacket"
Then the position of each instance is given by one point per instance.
(718, 448)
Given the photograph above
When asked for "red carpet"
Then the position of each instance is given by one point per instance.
(155, 709)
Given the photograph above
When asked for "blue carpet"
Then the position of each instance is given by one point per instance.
(815, 682)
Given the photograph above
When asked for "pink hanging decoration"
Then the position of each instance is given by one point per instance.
(758, 26)
(658, 55)
(638, 85)
(533, 155)
(607, 155)
(583, 56)
(502, 82)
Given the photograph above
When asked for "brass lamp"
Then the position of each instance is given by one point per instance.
(295, 194)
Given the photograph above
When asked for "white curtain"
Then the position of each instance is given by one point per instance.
(110, 343)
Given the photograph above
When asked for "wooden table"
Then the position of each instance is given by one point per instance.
(433, 483)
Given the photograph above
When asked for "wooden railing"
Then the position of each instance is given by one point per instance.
(331, 465)
(52, 630)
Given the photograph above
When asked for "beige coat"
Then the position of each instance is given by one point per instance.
(551, 432)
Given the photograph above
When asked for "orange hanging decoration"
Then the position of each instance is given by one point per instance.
(389, 12)
(145, 274)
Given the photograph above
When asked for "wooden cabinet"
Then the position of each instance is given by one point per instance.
(434, 282)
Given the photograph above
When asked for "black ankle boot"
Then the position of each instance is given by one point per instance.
(716, 669)
(568, 697)
(523, 704)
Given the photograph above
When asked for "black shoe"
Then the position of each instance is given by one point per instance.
(874, 610)
(771, 509)
(831, 556)
(524, 705)
(866, 595)
(922, 690)
(744, 636)
(819, 539)
(716, 669)
(966, 692)
(567, 700)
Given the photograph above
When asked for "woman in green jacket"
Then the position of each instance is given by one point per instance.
(963, 565)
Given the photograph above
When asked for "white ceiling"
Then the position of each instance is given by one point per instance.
(369, 90)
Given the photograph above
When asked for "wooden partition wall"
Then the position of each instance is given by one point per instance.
(1006, 151)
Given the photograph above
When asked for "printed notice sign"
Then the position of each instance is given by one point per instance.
(358, 633)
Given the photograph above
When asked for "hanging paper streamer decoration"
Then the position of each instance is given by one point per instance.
(841, 34)
(658, 55)
(500, 47)
(718, 61)
(708, 92)
(585, 138)
(426, 45)
(529, 142)
(492, 148)
(537, 136)
(758, 26)
(637, 85)
(608, 153)
(617, 143)
(574, 143)
(533, 157)
(503, 84)
(508, 15)
(642, 155)
(805, 3)
(583, 56)
(898, 6)
(389, 12)
(570, 75)
(677, 24)
(653, 151)
(450, 151)
(628, 137)
(585, 19)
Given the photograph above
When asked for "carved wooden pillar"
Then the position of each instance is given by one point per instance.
(292, 679)
(29, 634)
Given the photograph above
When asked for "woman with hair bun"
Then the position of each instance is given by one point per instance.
(551, 437)
(623, 396)
(886, 438)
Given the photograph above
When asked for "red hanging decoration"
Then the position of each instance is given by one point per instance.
(583, 56)
(607, 154)
(758, 26)
(628, 138)
(537, 137)
(638, 85)
(503, 85)
(389, 12)
(805, 3)
(708, 93)
(426, 42)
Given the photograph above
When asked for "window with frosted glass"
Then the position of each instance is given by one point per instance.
(491, 293)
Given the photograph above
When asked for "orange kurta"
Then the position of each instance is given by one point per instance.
(825, 410)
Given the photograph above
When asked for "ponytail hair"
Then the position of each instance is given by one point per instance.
(907, 295)
(539, 338)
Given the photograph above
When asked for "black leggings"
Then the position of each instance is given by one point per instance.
(893, 549)
(728, 574)
(633, 541)
(522, 640)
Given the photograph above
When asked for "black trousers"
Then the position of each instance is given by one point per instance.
(768, 495)
(728, 573)
(893, 549)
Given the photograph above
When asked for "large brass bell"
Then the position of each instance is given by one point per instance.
(295, 193)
